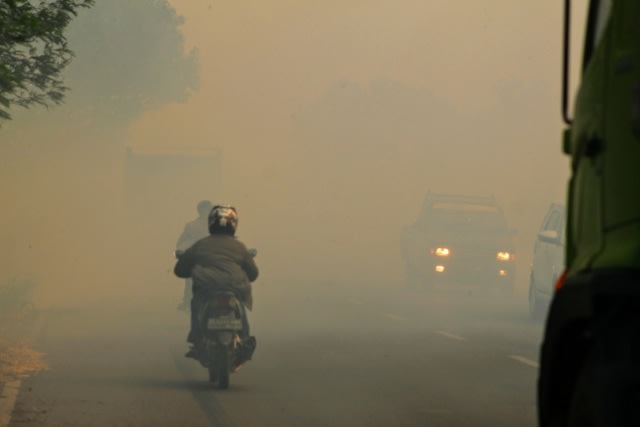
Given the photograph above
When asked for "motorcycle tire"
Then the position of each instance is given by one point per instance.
(222, 368)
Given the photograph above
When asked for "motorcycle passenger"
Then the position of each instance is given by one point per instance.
(219, 260)
(193, 231)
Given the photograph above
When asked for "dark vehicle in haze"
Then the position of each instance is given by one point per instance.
(548, 261)
(459, 240)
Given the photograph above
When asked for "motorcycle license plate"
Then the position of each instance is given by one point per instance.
(216, 323)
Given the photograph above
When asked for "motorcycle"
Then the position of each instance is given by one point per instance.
(221, 350)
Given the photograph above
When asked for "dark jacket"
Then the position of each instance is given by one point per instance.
(219, 260)
(192, 232)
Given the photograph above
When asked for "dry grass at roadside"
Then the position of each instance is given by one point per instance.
(20, 362)
(17, 319)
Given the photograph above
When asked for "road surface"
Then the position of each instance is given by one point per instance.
(330, 357)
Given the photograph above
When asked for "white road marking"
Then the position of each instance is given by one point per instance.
(526, 361)
(8, 401)
(394, 316)
(450, 335)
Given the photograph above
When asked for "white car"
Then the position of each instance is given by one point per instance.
(548, 261)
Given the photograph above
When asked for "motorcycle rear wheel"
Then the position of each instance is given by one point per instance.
(219, 371)
(213, 374)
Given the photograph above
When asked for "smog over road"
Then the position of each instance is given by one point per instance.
(325, 124)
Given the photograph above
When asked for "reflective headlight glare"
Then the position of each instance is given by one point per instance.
(441, 251)
(504, 256)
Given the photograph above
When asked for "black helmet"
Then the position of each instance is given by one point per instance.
(204, 207)
(223, 219)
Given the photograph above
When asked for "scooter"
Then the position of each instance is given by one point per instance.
(221, 350)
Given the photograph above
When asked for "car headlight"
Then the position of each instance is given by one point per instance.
(504, 256)
(441, 251)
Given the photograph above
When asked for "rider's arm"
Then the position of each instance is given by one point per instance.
(185, 264)
(249, 266)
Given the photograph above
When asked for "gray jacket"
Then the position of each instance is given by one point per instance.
(219, 260)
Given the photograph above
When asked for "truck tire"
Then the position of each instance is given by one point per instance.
(583, 407)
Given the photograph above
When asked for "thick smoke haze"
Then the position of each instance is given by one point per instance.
(326, 123)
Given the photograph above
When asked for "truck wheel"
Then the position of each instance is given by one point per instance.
(583, 409)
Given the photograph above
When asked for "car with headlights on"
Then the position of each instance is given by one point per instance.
(459, 240)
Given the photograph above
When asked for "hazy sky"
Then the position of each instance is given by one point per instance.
(471, 90)
(261, 62)
(262, 59)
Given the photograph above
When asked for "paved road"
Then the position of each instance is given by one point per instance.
(380, 359)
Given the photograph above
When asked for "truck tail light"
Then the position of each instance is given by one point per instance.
(560, 282)
(635, 111)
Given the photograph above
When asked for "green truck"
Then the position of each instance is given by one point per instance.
(590, 356)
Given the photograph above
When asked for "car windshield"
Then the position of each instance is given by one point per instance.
(468, 217)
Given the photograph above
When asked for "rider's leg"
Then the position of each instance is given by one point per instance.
(245, 322)
(187, 295)
(195, 334)
(188, 291)
(248, 342)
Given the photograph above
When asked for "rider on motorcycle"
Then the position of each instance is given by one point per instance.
(192, 232)
(218, 260)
